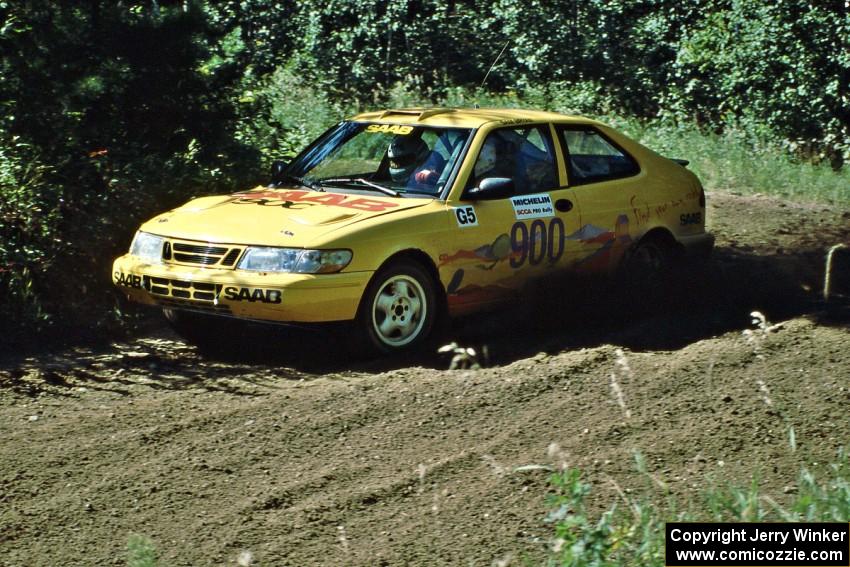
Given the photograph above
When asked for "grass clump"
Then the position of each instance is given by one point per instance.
(141, 552)
(631, 532)
(815, 501)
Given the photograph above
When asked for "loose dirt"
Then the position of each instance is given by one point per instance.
(288, 450)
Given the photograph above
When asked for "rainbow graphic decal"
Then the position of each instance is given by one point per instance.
(613, 245)
(498, 251)
(610, 245)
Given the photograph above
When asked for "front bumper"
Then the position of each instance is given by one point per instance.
(285, 298)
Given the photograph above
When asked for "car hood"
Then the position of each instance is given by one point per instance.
(273, 217)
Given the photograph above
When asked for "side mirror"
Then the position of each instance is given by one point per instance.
(278, 167)
(492, 188)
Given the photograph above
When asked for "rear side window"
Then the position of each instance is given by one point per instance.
(591, 157)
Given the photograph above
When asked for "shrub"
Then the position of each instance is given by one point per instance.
(29, 242)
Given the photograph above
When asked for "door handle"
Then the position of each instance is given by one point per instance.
(564, 205)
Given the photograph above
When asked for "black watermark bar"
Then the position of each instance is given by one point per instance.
(757, 544)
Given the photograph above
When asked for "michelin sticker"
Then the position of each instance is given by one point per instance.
(465, 216)
(535, 206)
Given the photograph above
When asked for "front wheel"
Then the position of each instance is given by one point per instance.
(399, 308)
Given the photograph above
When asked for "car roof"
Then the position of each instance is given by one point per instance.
(465, 117)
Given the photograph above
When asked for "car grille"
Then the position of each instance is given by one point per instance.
(201, 253)
(185, 294)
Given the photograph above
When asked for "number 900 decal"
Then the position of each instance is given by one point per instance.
(537, 242)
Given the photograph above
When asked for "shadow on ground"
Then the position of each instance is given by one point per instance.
(698, 301)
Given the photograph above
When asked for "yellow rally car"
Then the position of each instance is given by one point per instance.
(394, 219)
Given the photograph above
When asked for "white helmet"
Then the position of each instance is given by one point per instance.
(405, 154)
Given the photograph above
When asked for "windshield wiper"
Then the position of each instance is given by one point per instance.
(360, 180)
(315, 186)
(380, 188)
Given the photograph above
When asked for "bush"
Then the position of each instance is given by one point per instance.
(29, 216)
(108, 116)
(282, 113)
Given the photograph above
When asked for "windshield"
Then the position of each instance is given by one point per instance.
(388, 158)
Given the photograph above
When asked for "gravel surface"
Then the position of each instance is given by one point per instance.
(290, 450)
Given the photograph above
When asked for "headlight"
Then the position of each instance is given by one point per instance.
(147, 247)
(294, 260)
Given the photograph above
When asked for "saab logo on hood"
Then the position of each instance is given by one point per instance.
(303, 199)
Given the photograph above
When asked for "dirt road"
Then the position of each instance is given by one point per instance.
(294, 452)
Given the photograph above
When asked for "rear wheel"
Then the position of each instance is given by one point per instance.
(399, 308)
(648, 267)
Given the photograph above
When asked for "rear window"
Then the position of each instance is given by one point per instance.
(591, 157)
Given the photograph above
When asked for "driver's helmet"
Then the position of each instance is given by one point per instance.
(486, 157)
(405, 154)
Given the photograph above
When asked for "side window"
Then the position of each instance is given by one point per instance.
(525, 155)
(592, 157)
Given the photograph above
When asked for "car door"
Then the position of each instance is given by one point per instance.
(501, 242)
(604, 179)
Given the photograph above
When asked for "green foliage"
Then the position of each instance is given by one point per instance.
(784, 66)
(579, 541)
(28, 214)
(620, 536)
(823, 502)
(359, 49)
(781, 64)
(741, 159)
(281, 125)
(632, 533)
(107, 118)
(815, 501)
(141, 552)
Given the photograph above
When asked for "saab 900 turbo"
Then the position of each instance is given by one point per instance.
(397, 218)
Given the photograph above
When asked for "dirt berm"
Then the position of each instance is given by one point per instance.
(286, 451)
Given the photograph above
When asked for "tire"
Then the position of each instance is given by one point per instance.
(648, 266)
(399, 308)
